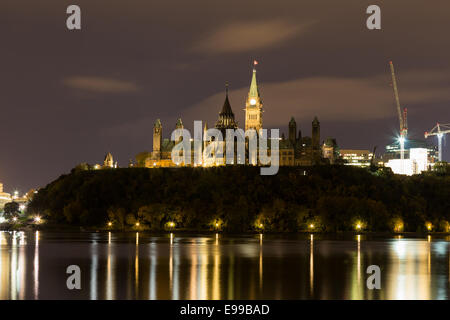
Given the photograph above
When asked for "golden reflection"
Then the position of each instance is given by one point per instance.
(176, 262)
(359, 258)
(260, 269)
(409, 277)
(3, 241)
(13, 280)
(429, 256)
(171, 265)
(1, 264)
(21, 267)
(217, 239)
(356, 288)
(193, 280)
(153, 264)
(231, 278)
(260, 238)
(136, 268)
(94, 269)
(216, 275)
(22, 239)
(109, 271)
(203, 273)
(311, 266)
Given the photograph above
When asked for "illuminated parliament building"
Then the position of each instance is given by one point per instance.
(295, 150)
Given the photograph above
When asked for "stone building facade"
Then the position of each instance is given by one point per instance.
(296, 150)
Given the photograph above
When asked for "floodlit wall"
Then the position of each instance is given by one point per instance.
(420, 159)
(417, 162)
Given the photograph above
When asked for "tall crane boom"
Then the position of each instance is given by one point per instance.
(397, 100)
(402, 119)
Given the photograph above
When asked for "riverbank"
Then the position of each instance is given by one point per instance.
(238, 199)
(186, 232)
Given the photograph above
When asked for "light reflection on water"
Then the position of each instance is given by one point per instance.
(178, 266)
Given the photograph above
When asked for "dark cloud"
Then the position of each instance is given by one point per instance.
(332, 98)
(245, 36)
(99, 84)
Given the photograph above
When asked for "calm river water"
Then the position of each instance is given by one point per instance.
(180, 266)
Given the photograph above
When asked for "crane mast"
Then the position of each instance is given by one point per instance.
(402, 118)
(439, 131)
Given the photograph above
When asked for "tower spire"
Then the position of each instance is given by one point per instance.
(254, 92)
(253, 105)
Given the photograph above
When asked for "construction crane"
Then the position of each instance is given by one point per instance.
(402, 118)
(373, 167)
(439, 130)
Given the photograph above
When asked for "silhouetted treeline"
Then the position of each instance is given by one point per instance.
(238, 198)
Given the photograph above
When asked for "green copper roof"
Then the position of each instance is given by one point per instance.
(254, 93)
(157, 123)
(179, 123)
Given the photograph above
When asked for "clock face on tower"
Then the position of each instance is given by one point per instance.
(252, 102)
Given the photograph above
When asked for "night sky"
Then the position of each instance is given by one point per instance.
(71, 96)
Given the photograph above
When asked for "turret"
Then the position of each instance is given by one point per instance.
(205, 129)
(108, 162)
(292, 130)
(157, 138)
(226, 116)
(179, 124)
(315, 134)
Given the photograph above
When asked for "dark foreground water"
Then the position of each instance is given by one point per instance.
(146, 266)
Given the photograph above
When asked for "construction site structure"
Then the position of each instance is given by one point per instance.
(401, 117)
(439, 131)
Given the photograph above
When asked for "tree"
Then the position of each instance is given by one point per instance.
(11, 209)
(141, 157)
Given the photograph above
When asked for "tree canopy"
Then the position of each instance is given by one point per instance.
(238, 199)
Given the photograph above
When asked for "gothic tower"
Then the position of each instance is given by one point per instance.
(226, 116)
(253, 106)
(315, 134)
(292, 130)
(157, 138)
(205, 129)
(179, 125)
(108, 162)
